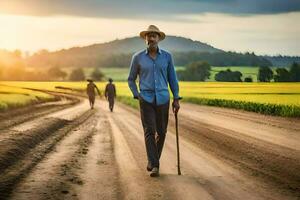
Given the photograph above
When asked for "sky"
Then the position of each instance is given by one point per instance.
(262, 26)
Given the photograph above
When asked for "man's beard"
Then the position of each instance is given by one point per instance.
(152, 44)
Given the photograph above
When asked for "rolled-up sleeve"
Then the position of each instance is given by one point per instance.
(172, 78)
(132, 76)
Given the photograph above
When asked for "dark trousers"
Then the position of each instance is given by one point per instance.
(92, 99)
(155, 122)
(111, 102)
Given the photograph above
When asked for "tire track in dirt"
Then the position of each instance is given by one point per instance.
(21, 150)
(277, 164)
(99, 171)
(131, 179)
(15, 142)
(16, 172)
(105, 158)
(168, 185)
(276, 130)
(171, 186)
(225, 180)
(58, 174)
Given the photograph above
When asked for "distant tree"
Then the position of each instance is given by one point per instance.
(265, 74)
(229, 76)
(16, 73)
(77, 75)
(17, 53)
(97, 75)
(248, 79)
(237, 76)
(282, 75)
(181, 75)
(56, 72)
(42, 52)
(1, 72)
(221, 58)
(197, 71)
(295, 72)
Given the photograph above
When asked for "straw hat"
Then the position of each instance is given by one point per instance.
(152, 29)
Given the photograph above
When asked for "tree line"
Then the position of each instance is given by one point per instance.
(265, 74)
(201, 71)
(72, 58)
(15, 67)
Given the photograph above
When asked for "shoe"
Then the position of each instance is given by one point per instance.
(154, 172)
(149, 167)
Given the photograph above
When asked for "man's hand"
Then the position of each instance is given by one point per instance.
(175, 106)
(138, 97)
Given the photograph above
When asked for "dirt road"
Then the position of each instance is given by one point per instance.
(78, 153)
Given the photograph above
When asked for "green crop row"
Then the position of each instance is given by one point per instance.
(263, 108)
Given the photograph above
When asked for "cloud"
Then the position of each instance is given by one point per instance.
(157, 9)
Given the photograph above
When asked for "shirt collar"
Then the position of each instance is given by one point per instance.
(158, 50)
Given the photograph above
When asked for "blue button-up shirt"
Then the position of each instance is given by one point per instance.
(154, 76)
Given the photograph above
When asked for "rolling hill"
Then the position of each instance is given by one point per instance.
(118, 53)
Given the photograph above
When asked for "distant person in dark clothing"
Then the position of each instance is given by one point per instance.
(110, 94)
(90, 90)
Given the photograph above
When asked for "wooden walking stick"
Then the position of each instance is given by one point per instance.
(177, 141)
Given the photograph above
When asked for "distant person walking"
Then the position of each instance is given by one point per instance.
(156, 71)
(110, 94)
(90, 90)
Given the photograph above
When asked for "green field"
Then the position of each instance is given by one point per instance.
(121, 74)
(116, 73)
(246, 71)
(269, 98)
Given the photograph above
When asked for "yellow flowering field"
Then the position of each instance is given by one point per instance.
(11, 96)
(227, 94)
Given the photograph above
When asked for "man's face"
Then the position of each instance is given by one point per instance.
(152, 39)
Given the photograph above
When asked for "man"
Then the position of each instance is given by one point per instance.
(155, 69)
(110, 94)
(90, 90)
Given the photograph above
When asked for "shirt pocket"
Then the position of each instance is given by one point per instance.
(163, 72)
(163, 67)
